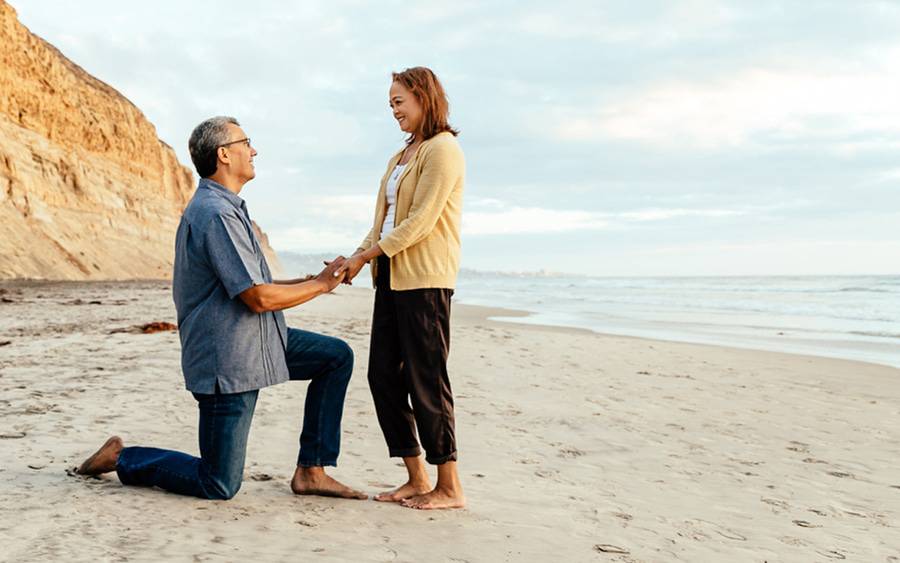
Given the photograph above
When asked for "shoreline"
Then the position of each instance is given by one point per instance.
(520, 319)
(503, 316)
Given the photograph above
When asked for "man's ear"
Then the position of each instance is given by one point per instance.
(222, 155)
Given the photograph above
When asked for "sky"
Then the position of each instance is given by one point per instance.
(601, 138)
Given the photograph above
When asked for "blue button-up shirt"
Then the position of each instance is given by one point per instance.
(217, 256)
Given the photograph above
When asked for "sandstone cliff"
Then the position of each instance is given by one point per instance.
(87, 190)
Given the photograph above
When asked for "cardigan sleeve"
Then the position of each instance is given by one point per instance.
(442, 168)
(367, 242)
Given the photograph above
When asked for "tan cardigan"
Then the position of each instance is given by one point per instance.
(424, 245)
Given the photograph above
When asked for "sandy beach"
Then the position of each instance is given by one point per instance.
(574, 446)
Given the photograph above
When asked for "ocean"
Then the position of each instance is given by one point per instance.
(850, 317)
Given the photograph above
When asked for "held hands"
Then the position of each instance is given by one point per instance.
(332, 275)
(351, 267)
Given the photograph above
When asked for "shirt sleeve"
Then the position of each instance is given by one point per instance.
(231, 254)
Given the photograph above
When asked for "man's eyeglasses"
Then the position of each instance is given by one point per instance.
(244, 140)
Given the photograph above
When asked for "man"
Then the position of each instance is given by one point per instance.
(234, 340)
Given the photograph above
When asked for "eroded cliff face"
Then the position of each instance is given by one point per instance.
(87, 189)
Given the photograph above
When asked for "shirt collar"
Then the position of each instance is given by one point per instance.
(218, 188)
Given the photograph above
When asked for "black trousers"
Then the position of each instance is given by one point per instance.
(408, 369)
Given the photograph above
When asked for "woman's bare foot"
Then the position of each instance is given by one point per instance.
(436, 499)
(417, 481)
(104, 460)
(405, 491)
(314, 481)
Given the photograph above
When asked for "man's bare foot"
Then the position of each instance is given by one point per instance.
(104, 460)
(404, 491)
(314, 481)
(436, 499)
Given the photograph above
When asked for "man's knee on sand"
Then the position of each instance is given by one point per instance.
(222, 489)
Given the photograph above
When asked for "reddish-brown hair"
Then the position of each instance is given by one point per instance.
(427, 89)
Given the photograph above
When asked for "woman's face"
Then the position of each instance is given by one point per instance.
(407, 109)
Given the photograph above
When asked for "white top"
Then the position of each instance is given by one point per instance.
(391, 193)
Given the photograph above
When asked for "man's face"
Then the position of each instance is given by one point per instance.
(238, 154)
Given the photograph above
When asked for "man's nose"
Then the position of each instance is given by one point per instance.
(253, 152)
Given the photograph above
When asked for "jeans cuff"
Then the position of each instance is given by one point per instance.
(122, 467)
(442, 459)
(407, 452)
(316, 463)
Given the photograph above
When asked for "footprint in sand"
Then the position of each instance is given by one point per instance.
(703, 527)
(776, 503)
(832, 554)
(747, 462)
(798, 447)
(788, 540)
(570, 452)
(546, 473)
(609, 548)
(38, 409)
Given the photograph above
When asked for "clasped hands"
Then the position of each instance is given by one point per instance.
(341, 270)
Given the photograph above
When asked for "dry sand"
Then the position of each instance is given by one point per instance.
(574, 447)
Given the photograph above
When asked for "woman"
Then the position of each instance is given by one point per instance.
(413, 250)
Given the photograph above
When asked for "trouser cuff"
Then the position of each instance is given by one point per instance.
(407, 452)
(442, 459)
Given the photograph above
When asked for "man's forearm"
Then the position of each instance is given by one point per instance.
(278, 296)
(294, 281)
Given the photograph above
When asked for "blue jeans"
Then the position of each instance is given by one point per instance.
(225, 423)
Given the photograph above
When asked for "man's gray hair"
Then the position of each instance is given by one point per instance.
(205, 142)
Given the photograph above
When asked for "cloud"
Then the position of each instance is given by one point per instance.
(755, 106)
(660, 24)
(353, 208)
(665, 214)
(493, 217)
(308, 240)
(518, 220)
